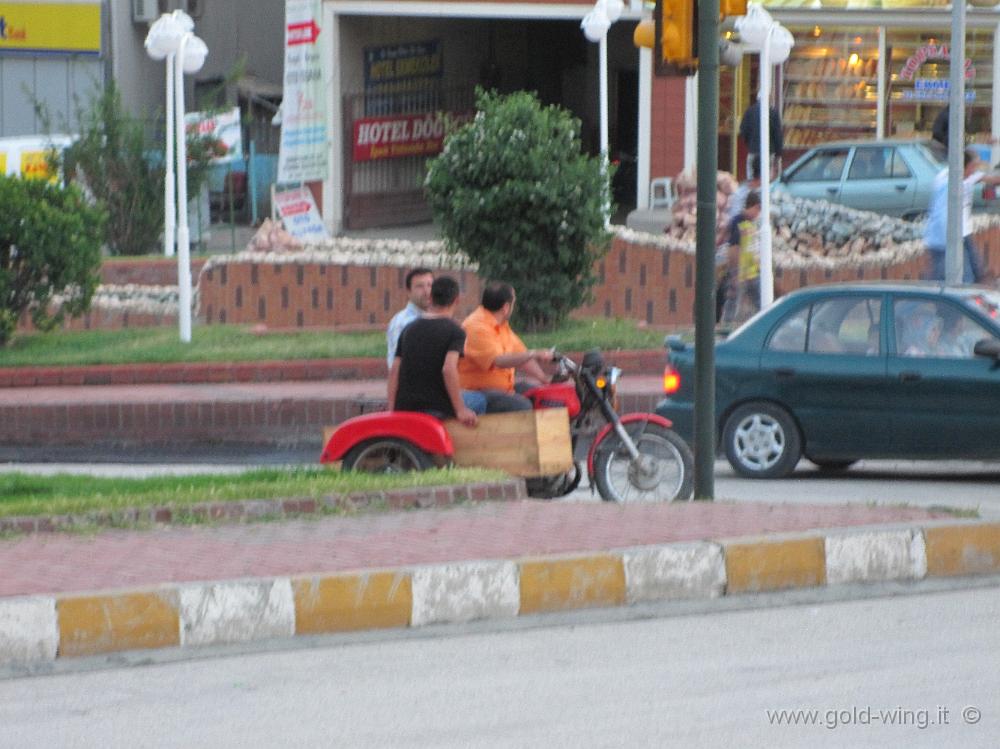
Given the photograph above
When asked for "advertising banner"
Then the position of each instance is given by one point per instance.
(403, 135)
(402, 67)
(299, 213)
(302, 156)
(60, 28)
(224, 127)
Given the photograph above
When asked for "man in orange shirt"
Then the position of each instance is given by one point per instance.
(493, 351)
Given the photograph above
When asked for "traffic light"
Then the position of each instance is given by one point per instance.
(676, 34)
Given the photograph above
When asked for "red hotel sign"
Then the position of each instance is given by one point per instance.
(403, 135)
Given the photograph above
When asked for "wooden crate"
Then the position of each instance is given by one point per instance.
(522, 443)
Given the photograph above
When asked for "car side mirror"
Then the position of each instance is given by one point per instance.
(987, 347)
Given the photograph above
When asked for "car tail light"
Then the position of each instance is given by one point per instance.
(989, 192)
(671, 380)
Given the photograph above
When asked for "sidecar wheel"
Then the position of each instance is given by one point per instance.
(663, 472)
(387, 455)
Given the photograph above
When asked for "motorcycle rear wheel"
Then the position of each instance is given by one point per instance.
(663, 472)
(386, 455)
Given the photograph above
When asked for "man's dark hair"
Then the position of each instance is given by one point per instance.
(497, 294)
(753, 200)
(970, 156)
(444, 291)
(753, 166)
(417, 272)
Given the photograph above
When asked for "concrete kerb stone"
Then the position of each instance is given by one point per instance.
(240, 611)
(192, 614)
(870, 556)
(464, 592)
(29, 629)
(675, 571)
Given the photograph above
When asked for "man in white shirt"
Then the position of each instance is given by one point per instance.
(418, 286)
(937, 221)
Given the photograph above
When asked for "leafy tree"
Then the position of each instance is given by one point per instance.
(124, 172)
(50, 244)
(515, 193)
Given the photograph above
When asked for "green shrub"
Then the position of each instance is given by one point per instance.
(124, 172)
(110, 158)
(514, 192)
(50, 244)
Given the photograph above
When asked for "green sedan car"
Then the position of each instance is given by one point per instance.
(842, 372)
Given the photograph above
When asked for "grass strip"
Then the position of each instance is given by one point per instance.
(236, 343)
(72, 494)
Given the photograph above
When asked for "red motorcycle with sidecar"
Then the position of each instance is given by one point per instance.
(635, 457)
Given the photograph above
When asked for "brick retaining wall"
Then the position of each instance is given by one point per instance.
(287, 423)
(636, 281)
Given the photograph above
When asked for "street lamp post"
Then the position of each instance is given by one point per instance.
(595, 27)
(172, 38)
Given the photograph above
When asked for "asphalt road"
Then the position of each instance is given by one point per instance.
(911, 671)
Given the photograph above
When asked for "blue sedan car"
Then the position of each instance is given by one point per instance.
(892, 177)
(842, 372)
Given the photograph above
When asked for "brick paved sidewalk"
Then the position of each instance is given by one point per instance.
(67, 563)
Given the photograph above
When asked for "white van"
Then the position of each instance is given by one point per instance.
(28, 155)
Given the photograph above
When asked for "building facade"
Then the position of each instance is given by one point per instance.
(859, 69)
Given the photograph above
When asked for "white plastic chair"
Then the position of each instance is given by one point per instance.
(661, 193)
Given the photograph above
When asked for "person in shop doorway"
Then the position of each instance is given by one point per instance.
(750, 133)
(742, 281)
(939, 130)
(936, 230)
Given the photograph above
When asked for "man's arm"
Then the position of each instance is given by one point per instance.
(535, 372)
(522, 358)
(449, 371)
(393, 383)
(391, 340)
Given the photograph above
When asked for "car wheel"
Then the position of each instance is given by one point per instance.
(762, 441)
(832, 466)
(386, 455)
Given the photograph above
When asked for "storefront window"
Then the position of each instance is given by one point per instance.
(918, 85)
(830, 85)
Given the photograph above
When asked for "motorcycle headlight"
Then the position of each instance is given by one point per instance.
(613, 374)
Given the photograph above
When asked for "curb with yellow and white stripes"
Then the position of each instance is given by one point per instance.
(43, 628)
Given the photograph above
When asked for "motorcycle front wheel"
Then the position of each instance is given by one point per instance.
(663, 471)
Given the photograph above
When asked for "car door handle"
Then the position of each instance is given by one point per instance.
(832, 190)
(784, 373)
(909, 376)
(901, 188)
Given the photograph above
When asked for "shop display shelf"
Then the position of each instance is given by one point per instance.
(830, 78)
(826, 101)
(829, 124)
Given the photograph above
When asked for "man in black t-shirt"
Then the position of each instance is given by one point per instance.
(424, 373)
